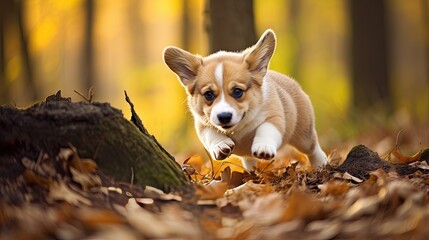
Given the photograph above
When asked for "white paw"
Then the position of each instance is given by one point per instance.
(264, 151)
(223, 149)
(318, 158)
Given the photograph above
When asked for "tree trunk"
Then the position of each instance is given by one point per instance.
(25, 53)
(3, 83)
(186, 25)
(230, 24)
(425, 10)
(369, 54)
(98, 131)
(88, 56)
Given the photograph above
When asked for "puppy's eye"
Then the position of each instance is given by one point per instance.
(209, 95)
(237, 93)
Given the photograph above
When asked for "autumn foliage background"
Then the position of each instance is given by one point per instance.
(378, 191)
(45, 47)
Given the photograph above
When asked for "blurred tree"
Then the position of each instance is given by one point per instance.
(294, 7)
(370, 73)
(4, 88)
(23, 40)
(12, 17)
(230, 24)
(88, 72)
(136, 29)
(186, 25)
(425, 9)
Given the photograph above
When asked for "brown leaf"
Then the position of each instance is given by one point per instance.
(266, 210)
(155, 193)
(301, 205)
(248, 191)
(58, 190)
(32, 178)
(174, 223)
(232, 178)
(402, 159)
(214, 190)
(334, 188)
(93, 218)
(82, 165)
(86, 180)
(364, 206)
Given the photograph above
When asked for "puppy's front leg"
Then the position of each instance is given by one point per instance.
(266, 142)
(219, 145)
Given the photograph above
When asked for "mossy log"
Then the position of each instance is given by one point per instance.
(121, 149)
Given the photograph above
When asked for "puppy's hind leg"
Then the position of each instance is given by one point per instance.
(310, 146)
(318, 158)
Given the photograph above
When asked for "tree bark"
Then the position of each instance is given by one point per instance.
(88, 46)
(186, 25)
(230, 25)
(25, 53)
(98, 131)
(370, 75)
(4, 6)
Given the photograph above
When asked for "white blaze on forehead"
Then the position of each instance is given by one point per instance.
(219, 74)
(222, 106)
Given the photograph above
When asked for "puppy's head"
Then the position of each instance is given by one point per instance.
(224, 88)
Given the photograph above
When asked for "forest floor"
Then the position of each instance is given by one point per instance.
(361, 195)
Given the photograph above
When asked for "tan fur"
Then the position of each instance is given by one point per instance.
(273, 110)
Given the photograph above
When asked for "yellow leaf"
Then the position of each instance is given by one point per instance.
(200, 170)
(233, 162)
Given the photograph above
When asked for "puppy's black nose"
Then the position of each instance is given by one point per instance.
(224, 117)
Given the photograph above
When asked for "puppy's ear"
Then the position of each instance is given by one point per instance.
(258, 56)
(183, 63)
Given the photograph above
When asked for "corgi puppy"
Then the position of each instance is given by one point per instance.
(240, 107)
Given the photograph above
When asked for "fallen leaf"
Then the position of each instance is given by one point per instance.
(144, 221)
(335, 158)
(145, 201)
(233, 179)
(32, 178)
(251, 188)
(421, 164)
(266, 210)
(86, 180)
(71, 156)
(324, 229)
(93, 218)
(348, 176)
(211, 191)
(334, 188)
(402, 159)
(58, 190)
(43, 166)
(301, 205)
(174, 223)
(233, 162)
(199, 170)
(155, 193)
(364, 206)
